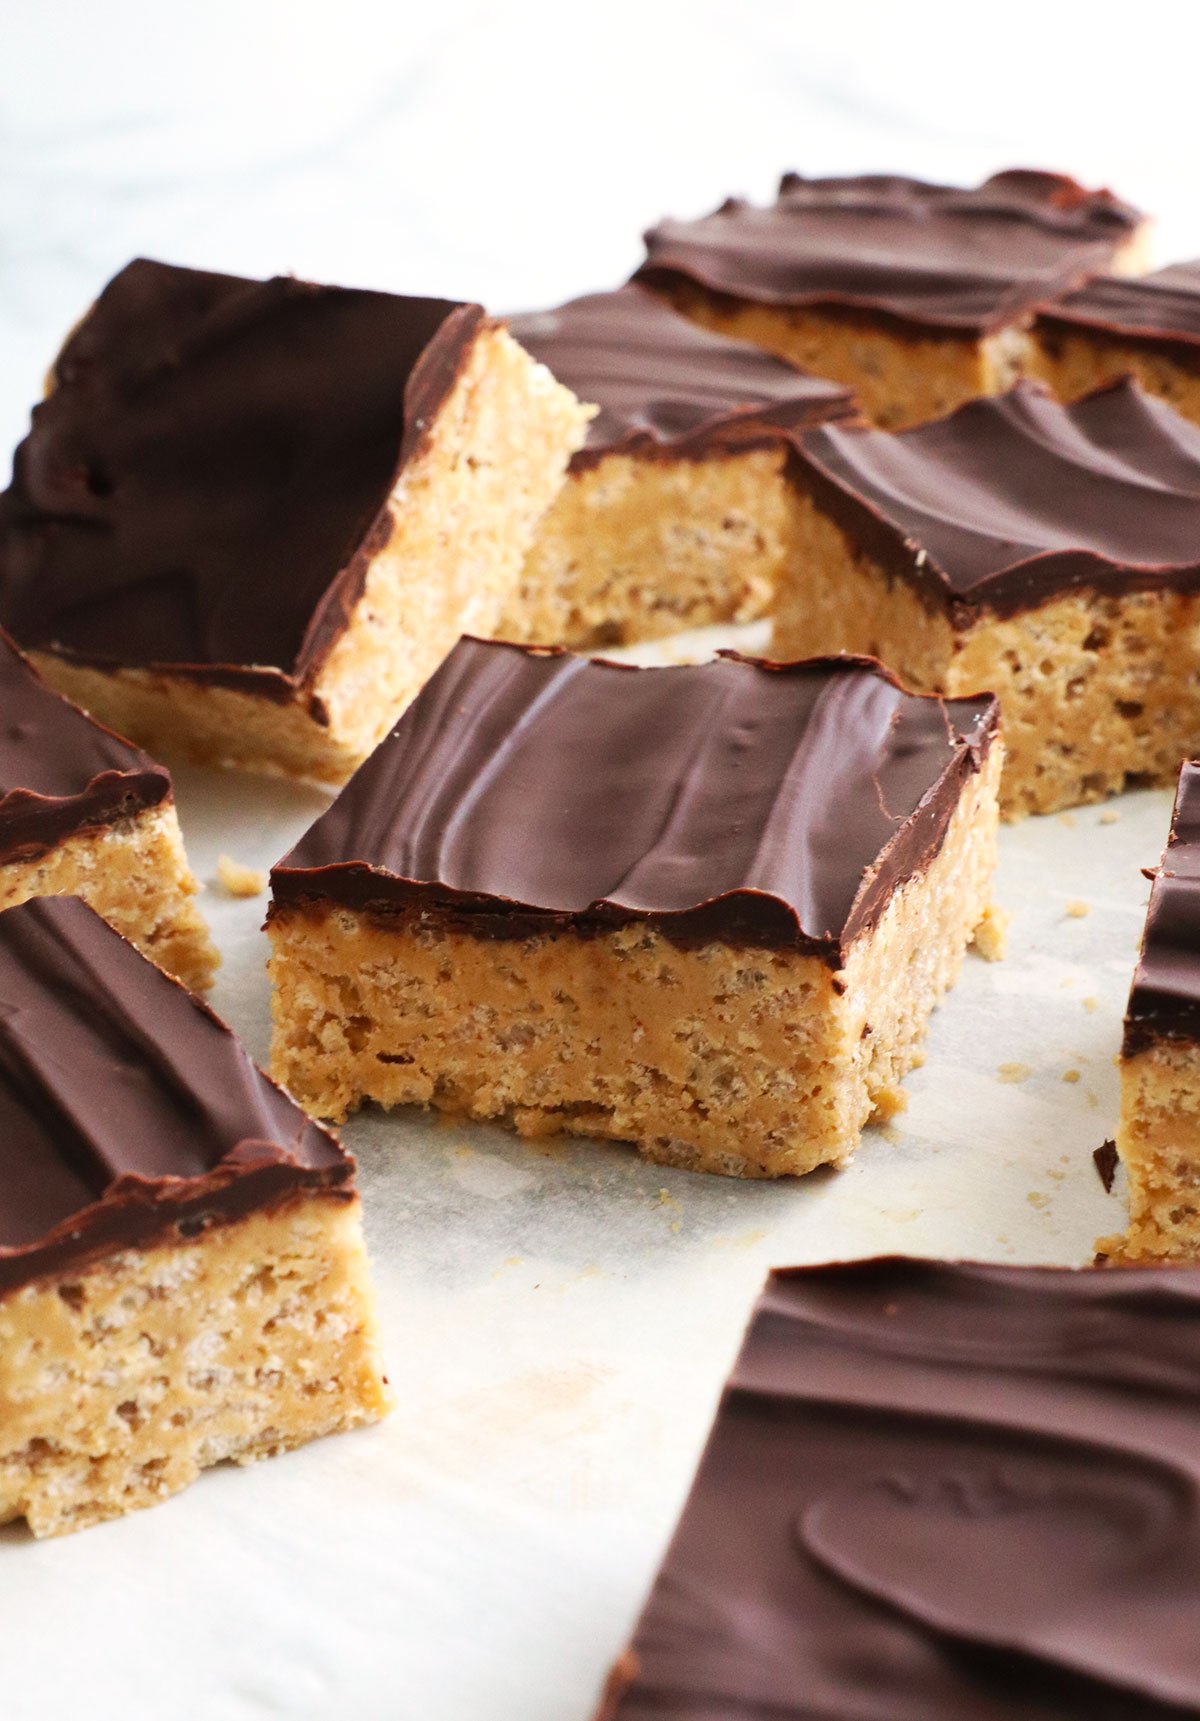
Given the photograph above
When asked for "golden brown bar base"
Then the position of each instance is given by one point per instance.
(1158, 1140)
(1095, 690)
(119, 1384)
(900, 378)
(1074, 364)
(463, 517)
(137, 876)
(637, 548)
(744, 1062)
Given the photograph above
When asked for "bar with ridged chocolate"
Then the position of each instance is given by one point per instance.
(1047, 553)
(84, 813)
(915, 295)
(677, 511)
(1158, 1137)
(251, 517)
(940, 1492)
(182, 1272)
(706, 910)
(1145, 326)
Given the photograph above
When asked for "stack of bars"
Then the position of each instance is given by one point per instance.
(948, 441)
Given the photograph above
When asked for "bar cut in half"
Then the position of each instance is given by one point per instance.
(251, 517)
(1158, 1139)
(938, 1491)
(1145, 326)
(182, 1271)
(917, 296)
(706, 910)
(677, 511)
(83, 813)
(1048, 553)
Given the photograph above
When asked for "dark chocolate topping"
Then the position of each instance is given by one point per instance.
(941, 259)
(663, 385)
(761, 803)
(1165, 997)
(204, 486)
(1163, 307)
(1014, 498)
(941, 1491)
(129, 1114)
(61, 772)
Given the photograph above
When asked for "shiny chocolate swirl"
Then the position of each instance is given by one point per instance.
(1014, 498)
(936, 257)
(527, 789)
(939, 1490)
(1160, 310)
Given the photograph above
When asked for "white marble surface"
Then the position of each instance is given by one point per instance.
(558, 1324)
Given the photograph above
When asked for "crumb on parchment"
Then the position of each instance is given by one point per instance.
(239, 880)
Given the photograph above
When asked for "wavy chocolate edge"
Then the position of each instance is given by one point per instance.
(936, 260)
(945, 1490)
(1014, 499)
(130, 1115)
(202, 491)
(1164, 998)
(61, 772)
(528, 790)
(666, 388)
(1158, 312)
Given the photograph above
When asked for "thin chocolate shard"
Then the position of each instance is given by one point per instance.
(60, 771)
(129, 1113)
(942, 1491)
(760, 803)
(1015, 498)
(203, 487)
(1106, 1160)
(940, 259)
(667, 388)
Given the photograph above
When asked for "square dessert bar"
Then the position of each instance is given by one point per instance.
(82, 813)
(706, 910)
(915, 295)
(936, 1492)
(1048, 553)
(1158, 1139)
(677, 510)
(182, 1271)
(251, 517)
(1147, 327)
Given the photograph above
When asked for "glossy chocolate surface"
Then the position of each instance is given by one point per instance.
(1162, 309)
(129, 1114)
(941, 1492)
(61, 772)
(1013, 499)
(528, 789)
(935, 257)
(666, 387)
(204, 486)
(1164, 1001)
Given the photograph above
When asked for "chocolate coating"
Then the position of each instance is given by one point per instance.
(941, 1491)
(665, 386)
(1160, 310)
(1164, 1001)
(937, 258)
(129, 1114)
(205, 485)
(1013, 499)
(527, 789)
(61, 772)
